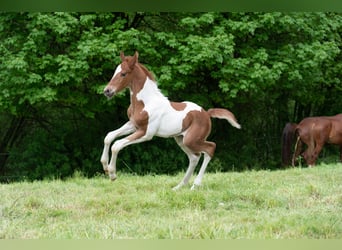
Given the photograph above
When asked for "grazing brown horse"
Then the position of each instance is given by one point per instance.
(152, 114)
(314, 132)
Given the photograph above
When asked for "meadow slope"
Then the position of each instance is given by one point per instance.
(289, 204)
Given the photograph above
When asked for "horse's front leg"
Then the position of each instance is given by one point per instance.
(110, 137)
(137, 137)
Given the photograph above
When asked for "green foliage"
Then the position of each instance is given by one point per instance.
(268, 68)
(35, 151)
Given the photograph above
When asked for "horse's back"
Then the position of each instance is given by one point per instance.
(337, 119)
(336, 131)
(313, 127)
(338, 116)
(325, 128)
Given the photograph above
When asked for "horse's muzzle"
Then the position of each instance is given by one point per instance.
(109, 93)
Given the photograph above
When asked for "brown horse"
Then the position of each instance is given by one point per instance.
(314, 132)
(152, 114)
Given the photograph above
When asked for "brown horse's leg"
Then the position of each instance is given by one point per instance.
(320, 136)
(317, 150)
(309, 153)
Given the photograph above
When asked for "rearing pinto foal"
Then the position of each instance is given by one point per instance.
(152, 114)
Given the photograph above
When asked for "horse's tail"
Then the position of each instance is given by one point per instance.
(224, 114)
(297, 144)
(287, 141)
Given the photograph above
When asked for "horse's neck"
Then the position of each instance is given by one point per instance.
(148, 92)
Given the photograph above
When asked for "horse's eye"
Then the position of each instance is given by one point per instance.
(123, 74)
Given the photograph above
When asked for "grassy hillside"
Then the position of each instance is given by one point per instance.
(292, 203)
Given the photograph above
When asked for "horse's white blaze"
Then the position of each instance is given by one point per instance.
(117, 71)
(164, 120)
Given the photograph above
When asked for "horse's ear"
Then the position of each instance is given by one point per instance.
(136, 54)
(134, 60)
(122, 56)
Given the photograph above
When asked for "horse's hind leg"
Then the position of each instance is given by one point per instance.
(310, 155)
(200, 175)
(317, 143)
(193, 161)
(317, 150)
(208, 149)
(194, 144)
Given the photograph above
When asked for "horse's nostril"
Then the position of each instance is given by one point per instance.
(108, 92)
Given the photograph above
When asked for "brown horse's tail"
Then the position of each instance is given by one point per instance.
(224, 114)
(287, 141)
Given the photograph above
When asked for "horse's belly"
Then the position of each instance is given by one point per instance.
(336, 139)
(169, 126)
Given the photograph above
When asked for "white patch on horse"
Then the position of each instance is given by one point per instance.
(164, 120)
(117, 70)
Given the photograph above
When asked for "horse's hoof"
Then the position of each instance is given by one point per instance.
(112, 177)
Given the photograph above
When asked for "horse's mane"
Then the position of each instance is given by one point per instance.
(148, 73)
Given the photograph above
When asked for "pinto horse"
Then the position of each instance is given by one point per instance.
(151, 114)
(314, 132)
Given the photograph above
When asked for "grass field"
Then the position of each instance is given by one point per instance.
(288, 204)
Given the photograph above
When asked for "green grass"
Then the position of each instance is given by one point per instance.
(291, 204)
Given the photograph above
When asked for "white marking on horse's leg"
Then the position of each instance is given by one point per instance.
(117, 146)
(193, 161)
(200, 175)
(110, 137)
(112, 165)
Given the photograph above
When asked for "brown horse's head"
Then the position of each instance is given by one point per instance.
(122, 76)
